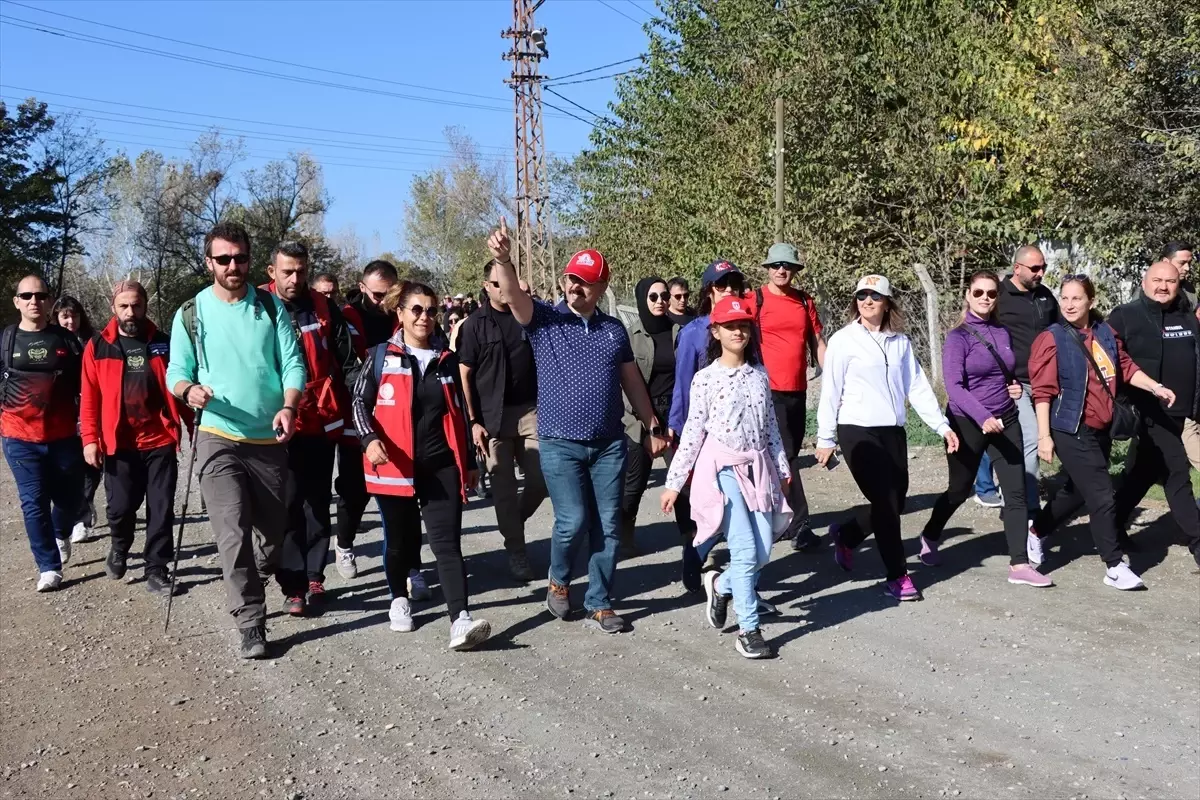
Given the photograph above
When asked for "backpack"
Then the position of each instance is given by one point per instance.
(8, 337)
(263, 301)
(810, 339)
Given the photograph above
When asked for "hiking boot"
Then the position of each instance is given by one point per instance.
(158, 582)
(294, 605)
(1033, 547)
(1027, 575)
(929, 552)
(902, 589)
(347, 567)
(49, 581)
(605, 620)
(400, 616)
(64, 550)
(716, 610)
(558, 600)
(418, 590)
(989, 499)
(254, 642)
(80, 533)
(466, 633)
(519, 569)
(805, 541)
(1123, 578)
(766, 609)
(115, 564)
(316, 594)
(752, 645)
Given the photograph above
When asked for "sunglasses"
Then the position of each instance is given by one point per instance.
(241, 259)
(654, 297)
(418, 311)
(992, 294)
(734, 283)
(868, 293)
(784, 266)
(41, 297)
(682, 296)
(1033, 267)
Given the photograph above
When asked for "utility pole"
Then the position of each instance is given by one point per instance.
(779, 145)
(528, 49)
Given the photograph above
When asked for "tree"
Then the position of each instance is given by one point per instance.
(287, 199)
(27, 185)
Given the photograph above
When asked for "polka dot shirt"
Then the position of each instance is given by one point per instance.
(578, 365)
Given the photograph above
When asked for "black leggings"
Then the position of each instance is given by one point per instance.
(1085, 459)
(1008, 459)
(638, 464)
(438, 502)
(791, 409)
(878, 460)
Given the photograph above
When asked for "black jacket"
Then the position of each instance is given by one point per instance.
(377, 329)
(1139, 325)
(490, 369)
(1025, 315)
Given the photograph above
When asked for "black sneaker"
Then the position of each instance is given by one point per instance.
(806, 541)
(717, 608)
(605, 621)
(558, 600)
(753, 645)
(116, 564)
(254, 642)
(158, 583)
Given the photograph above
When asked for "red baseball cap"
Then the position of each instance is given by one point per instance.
(731, 309)
(588, 265)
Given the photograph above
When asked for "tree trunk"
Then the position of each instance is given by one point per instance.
(931, 322)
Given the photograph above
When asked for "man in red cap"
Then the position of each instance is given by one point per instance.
(583, 362)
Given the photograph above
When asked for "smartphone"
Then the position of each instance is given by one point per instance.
(832, 462)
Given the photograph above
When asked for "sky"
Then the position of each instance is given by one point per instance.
(371, 143)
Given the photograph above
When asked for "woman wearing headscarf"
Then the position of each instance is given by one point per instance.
(69, 313)
(652, 336)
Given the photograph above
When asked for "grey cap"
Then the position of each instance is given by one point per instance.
(783, 253)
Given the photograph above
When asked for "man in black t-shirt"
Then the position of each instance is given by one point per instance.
(500, 384)
(1159, 331)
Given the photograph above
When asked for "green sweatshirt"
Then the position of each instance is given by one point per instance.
(245, 362)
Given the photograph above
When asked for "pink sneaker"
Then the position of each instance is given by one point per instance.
(929, 552)
(1026, 574)
(843, 555)
(902, 589)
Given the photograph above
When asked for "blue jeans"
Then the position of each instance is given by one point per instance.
(45, 473)
(585, 481)
(984, 482)
(748, 535)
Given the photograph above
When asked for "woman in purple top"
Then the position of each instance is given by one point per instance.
(977, 362)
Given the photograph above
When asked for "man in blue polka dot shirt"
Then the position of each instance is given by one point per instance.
(583, 362)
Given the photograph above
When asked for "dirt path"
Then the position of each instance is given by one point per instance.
(982, 690)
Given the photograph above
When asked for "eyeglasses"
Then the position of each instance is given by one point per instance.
(681, 296)
(783, 265)
(992, 294)
(653, 297)
(40, 297)
(868, 293)
(241, 259)
(1032, 267)
(418, 311)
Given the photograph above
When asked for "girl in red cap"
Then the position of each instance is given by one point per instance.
(731, 445)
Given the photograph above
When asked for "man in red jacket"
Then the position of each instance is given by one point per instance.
(130, 424)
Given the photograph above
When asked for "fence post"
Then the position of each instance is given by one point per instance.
(932, 322)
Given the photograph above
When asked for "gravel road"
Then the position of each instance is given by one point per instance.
(982, 690)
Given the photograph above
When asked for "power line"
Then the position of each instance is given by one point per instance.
(595, 69)
(597, 78)
(616, 10)
(638, 6)
(208, 48)
(568, 113)
(572, 102)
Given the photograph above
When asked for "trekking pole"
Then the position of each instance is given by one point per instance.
(187, 492)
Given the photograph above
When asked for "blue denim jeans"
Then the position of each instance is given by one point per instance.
(45, 473)
(984, 482)
(748, 535)
(585, 481)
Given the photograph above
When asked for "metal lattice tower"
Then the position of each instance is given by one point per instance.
(528, 49)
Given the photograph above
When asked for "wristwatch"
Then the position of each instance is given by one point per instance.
(656, 430)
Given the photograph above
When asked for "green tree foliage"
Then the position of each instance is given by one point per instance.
(27, 185)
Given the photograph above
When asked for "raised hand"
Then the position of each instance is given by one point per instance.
(498, 243)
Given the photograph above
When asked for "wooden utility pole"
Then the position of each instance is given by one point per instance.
(779, 159)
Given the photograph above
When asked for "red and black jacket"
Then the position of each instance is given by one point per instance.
(101, 408)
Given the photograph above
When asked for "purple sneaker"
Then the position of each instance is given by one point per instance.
(843, 555)
(902, 589)
(1027, 575)
(929, 552)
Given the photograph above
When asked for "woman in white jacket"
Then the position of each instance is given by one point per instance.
(870, 374)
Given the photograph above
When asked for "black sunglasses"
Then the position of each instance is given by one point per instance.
(41, 297)
(992, 294)
(241, 259)
(421, 310)
(653, 297)
(785, 265)
(868, 293)
(730, 282)
(682, 295)
(1032, 267)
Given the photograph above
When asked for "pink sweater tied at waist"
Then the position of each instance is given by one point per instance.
(762, 493)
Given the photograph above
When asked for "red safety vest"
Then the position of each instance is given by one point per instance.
(394, 425)
(322, 406)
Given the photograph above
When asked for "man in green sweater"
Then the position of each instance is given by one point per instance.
(234, 355)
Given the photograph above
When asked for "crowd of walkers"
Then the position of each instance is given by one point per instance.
(408, 397)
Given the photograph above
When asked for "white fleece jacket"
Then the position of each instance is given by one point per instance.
(868, 380)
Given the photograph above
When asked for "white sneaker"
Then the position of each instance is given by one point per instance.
(1123, 578)
(64, 550)
(1033, 548)
(49, 581)
(418, 590)
(400, 615)
(80, 533)
(466, 633)
(347, 567)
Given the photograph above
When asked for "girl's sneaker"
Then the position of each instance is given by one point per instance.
(902, 589)
(929, 552)
(1033, 547)
(418, 590)
(751, 644)
(716, 610)
(1025, 574)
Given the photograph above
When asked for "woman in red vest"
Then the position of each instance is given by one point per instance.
(408, 410)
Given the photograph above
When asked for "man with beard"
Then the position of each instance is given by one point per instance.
(1159, 331)
(1180, 256)
(328, 354)
(234, 356)
(131, 427)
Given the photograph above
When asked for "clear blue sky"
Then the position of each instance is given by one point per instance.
(449, 45)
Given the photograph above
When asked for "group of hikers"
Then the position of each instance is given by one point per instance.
(278, 384)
